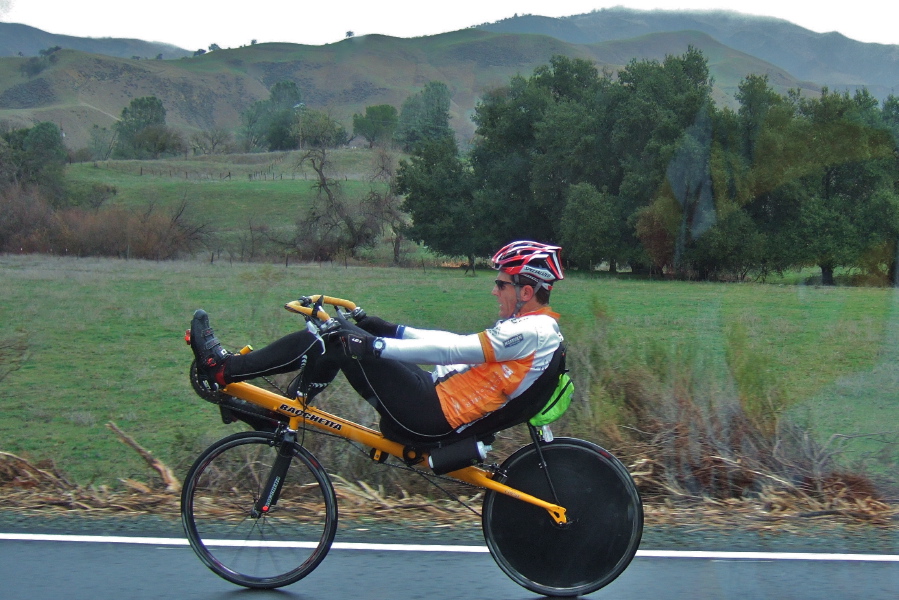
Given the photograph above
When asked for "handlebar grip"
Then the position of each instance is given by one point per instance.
(296, 307)
(334, 301)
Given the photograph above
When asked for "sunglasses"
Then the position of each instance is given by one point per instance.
(501, 285)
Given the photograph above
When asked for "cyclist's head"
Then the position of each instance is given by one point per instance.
(531, 263)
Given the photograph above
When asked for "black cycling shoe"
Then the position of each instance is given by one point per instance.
(208, 351)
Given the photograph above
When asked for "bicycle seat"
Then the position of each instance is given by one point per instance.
(514, 412)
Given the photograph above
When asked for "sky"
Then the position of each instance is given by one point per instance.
(195, 24)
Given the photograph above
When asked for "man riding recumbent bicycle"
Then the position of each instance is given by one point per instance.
(561, 517)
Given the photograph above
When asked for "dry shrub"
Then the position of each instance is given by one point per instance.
(116, 231)
(28, 223)
(693, 429)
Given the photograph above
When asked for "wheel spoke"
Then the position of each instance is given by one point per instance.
(275, 549)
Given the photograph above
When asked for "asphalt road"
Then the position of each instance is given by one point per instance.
(38, 570)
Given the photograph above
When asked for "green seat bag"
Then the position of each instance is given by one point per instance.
(558, 403)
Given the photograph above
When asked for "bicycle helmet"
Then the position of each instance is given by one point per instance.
(537, 262)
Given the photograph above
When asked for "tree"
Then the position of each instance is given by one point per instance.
(140, 114)
(848, 155)
(159, 140)
(271, 124)
(567, 125)
(439, 190)
(591, 227)
(730, 248)
(425, 116)
(378, 125)
(503, 156)
(214, 47)
(756, 99)
(253, 126)
(317, 129)
(385, 202)
(35, 156)
(212, 141)
(280, 130)
(285, 95)
(334, 223)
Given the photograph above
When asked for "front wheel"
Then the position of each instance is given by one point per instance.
(268, 550)
(604, 512)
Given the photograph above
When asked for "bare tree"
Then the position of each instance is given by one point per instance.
(212, 141)
(383, 203)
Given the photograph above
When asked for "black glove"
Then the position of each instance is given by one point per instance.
(359, 345)
(377, 326)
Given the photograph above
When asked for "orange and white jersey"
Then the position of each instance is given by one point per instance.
(477, 374)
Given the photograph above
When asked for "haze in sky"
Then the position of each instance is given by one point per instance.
(195, 24)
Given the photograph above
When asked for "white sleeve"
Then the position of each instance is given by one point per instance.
(432, 347)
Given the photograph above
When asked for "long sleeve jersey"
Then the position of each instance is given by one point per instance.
(477, 374)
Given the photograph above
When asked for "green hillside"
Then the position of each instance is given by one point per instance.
(829, 59)
(22, 40)
(81, 90)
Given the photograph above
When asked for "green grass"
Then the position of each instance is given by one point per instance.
(226, 203)
(105, 342)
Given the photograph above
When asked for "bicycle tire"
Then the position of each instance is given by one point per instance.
(276, 549)
(604, 512)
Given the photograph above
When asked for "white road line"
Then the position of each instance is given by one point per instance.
(159, 541)
(767, 555)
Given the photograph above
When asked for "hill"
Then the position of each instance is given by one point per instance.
(829, 59)
(80, 90)
(23, 40)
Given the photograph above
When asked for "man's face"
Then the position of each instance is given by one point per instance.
(505, 293)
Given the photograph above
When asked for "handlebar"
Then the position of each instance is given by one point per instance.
(310, 306)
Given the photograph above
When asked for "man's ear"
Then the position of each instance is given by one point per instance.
(527, 292)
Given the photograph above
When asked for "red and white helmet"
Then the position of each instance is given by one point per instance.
(536, 261)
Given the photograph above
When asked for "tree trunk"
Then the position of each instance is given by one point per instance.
(397, 246)
(827, 275)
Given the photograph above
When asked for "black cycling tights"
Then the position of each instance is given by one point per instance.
(402, 393)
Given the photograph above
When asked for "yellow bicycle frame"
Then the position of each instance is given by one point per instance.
(300, 414)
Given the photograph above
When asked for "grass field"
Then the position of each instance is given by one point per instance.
(105, 343)
(227, 192)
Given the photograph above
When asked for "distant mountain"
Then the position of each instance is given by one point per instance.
(16, 40)
(829, 59)
(79, 90)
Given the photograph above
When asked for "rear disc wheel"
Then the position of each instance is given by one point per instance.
(604, 512)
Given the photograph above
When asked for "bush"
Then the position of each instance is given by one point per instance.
(690, 430)
(29, 224)
(27, 221)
